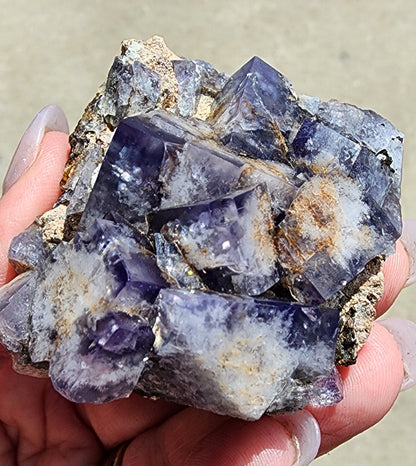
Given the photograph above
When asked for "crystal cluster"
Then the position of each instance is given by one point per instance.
(209, 255)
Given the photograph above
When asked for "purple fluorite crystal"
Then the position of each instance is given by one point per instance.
(130, 172)
(196, 263)
(259, 350)
(96, 290)
(256, 111)
(232, 234)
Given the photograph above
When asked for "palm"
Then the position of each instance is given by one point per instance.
(39, 426)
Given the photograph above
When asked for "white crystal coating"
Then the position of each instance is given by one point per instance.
(252, 358)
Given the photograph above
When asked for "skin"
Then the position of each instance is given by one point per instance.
(38, 426)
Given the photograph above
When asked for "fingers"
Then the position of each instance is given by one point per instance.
(40, 424)
(408, 239)
(396, 273)
(122, 420)
(370, 389)
(50, 118)
(202, 438)
(404, 334)
(32, 194)
(199, 438)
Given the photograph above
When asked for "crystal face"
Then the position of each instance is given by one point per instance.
(223, 251)
(253, 345)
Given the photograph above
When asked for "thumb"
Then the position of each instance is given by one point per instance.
(32, 194)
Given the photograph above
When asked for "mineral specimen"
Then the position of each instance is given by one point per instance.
(223, 252)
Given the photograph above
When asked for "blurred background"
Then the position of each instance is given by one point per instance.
(358, 52)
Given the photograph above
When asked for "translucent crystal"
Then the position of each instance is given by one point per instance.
(255, 111)
(91, 313)
(251, 353)
(205, 255)
(128, 180)
(232, 234)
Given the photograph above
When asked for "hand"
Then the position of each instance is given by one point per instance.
(38, 426)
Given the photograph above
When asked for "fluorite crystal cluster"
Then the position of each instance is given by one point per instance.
(223, 252)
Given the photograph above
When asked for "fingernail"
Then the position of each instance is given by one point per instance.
(404, 334)
(305, 432)
(408, 239)
(50, 118)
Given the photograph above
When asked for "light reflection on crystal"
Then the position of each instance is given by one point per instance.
(206, 250)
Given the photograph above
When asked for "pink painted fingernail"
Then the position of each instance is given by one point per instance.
(50, 118)
(306, 434)
(404, 334)
(408, 239)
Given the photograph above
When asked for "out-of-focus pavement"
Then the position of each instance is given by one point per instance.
(359, 52)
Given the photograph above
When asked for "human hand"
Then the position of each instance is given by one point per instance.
(38, 426)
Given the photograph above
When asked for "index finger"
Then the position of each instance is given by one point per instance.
(32, 195)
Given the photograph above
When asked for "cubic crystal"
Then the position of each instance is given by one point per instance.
(251, 354)
(205, 255)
